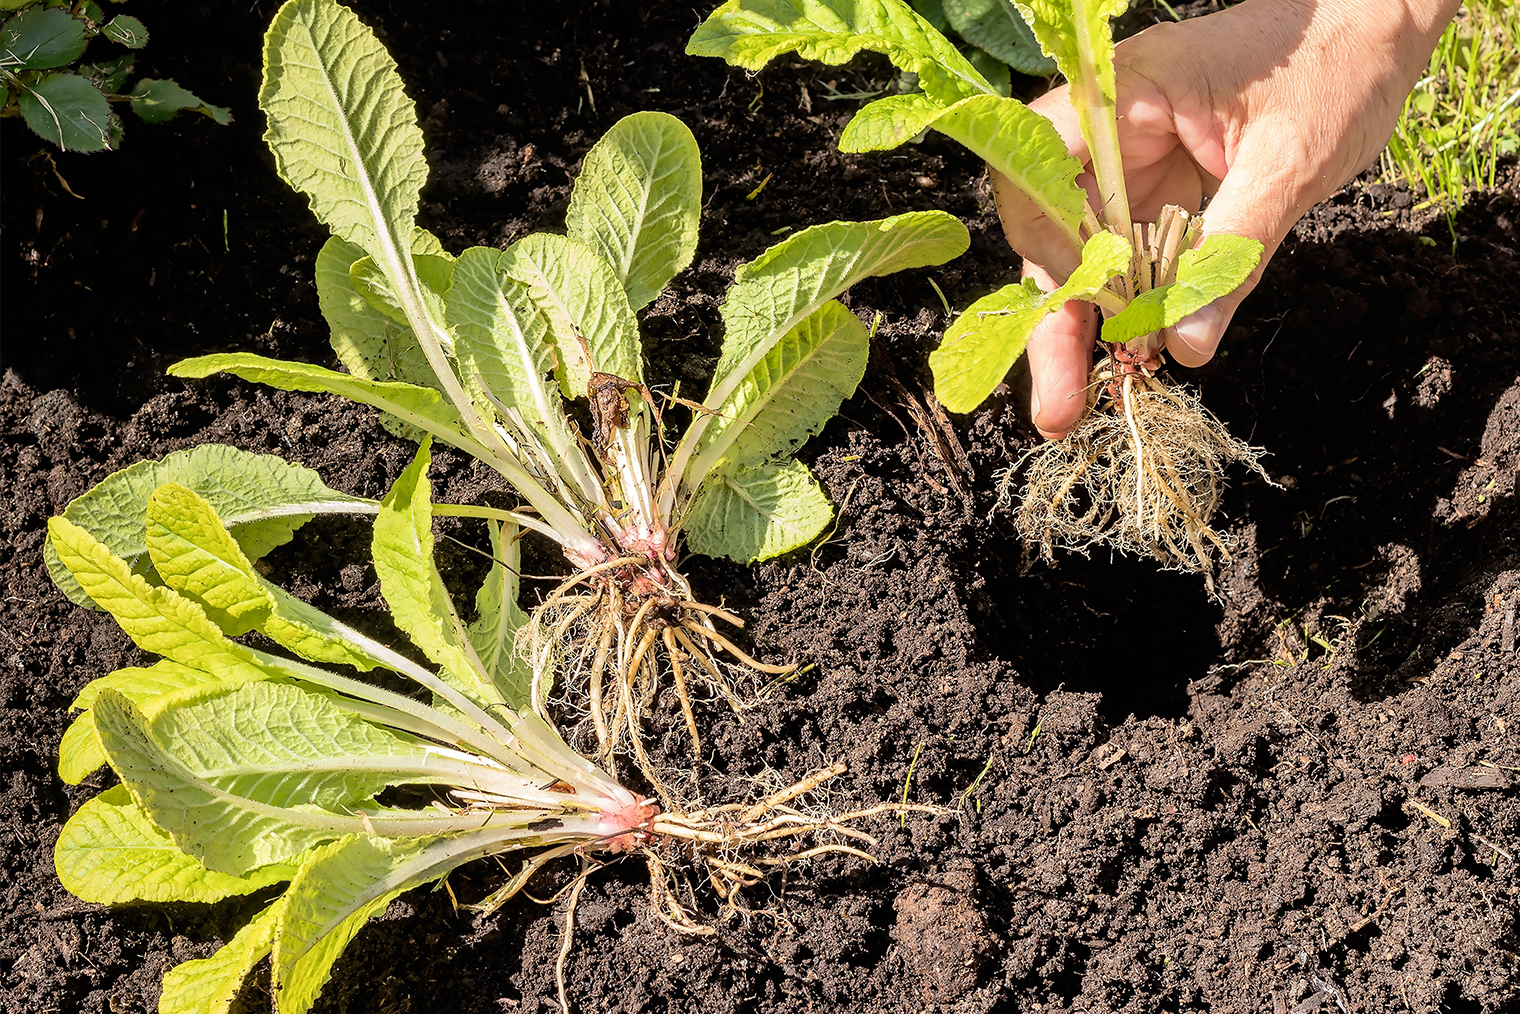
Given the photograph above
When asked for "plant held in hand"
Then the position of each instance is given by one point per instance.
(482, 351)
(1143, 470)
(243, 768)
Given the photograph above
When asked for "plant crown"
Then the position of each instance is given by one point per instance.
(72, 108)
(957, 100)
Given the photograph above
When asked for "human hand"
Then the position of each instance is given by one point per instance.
(1265, 108)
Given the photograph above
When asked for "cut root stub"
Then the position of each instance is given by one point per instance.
(1142, 473)
(611, 643)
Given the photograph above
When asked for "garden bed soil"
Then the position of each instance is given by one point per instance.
(1299, 796)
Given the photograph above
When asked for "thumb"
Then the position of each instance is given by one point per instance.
(1259, 206)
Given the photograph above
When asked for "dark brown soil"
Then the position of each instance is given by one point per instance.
(1300, 797)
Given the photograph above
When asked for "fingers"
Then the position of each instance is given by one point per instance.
(1060, 358)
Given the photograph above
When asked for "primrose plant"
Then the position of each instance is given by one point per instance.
(1142, 472)
(484, 351)
(41, 41)
(243, 768)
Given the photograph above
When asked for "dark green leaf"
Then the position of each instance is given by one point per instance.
(991, 68)
(997, 27)
(156, 101)
(41, 38)
(109, 75)
(92, 11)
(127, 30)
(932, 11)
(68, 111)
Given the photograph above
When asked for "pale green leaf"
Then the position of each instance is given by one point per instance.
(1069, 30)
(41, 38)
(248, 775)
(80, 752)
(156, 618)
(591, 320)
(345, 885)
(417, 406)
(369, 342)
(109, 852)
(341, 128)
(997, 27)
(210, 985)
(790, 394)
(1215, 268)
(67, 110)
(888, 122)
(981, 345)
(787, 283)
(753, 514)
(412, 586)
(637, 202)
(262, 498)
(200, 559)
(751, 33)
(434, 276)
(1022, 145)
(494, 633)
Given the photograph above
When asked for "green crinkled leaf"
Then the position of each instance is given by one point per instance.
(200, 559)
(751, 33)
(210, 985)
(990, 67)
(752, 514)
(126, 30)
(982, 344)
(41, 38)
(422, 407)
(345, 885)
(435, 273)
(110, 852)
(80, 752)
(369, 343)
(342, 129)
(248, 775)
(1215, 268)
(67, 110)
(505, 346)
(787, 283)
(997, 27)
(494, 633)
(581, 294)
(791, 393)
(1014, 139)
(1065, 28)
(410, 582)
(888, 122)
(637, 202)
(157, 619)
(262, 498)
(158, 102)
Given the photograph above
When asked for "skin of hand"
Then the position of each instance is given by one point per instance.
(1265, 108)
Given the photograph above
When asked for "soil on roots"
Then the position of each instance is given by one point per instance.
(1166, 801)
(1143, 472)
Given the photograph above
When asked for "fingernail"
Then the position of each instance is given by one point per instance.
(1034, 405)
(1200, 331)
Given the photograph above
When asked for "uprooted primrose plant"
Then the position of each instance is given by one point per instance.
(243, 768)
(1142, 471)
(483, 350)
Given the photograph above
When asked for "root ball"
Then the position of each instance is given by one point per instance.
(1142, 473)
